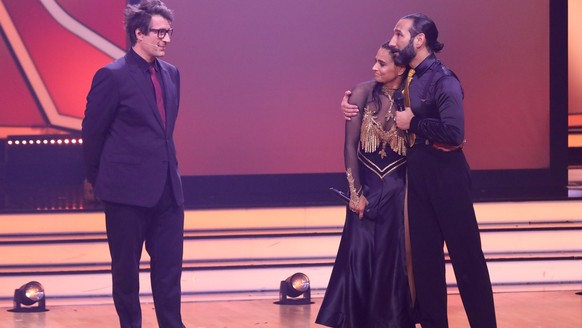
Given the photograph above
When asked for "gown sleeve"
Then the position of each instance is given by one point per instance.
(359, 98)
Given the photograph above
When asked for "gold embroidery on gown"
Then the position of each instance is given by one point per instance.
(373, 135)
(354, 193)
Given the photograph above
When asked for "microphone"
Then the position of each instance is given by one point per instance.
(340, 194)
(152, 44)
(399, 100)
(368, 212)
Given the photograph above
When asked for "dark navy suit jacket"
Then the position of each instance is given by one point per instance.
(129, 154)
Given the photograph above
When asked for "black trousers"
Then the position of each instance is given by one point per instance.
(162, 229)
(441, 211)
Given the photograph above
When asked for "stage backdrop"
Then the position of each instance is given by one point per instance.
(262, 81)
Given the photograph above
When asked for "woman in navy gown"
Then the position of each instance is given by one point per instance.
(368, 286)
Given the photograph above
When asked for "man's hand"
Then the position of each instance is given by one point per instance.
(348, 109)
(403, 119)
(88, 192)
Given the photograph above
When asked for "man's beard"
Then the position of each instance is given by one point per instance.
(403, 57)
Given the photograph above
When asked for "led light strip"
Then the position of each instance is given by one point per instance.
(45, 141)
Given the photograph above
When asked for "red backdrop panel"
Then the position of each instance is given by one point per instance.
(262, 79)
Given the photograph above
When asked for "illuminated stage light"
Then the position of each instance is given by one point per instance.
(295, 290)
(27, 295)
(56, 140)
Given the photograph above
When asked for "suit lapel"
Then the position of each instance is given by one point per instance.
(169, 97)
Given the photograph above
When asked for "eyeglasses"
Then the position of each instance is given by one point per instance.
(162, 32)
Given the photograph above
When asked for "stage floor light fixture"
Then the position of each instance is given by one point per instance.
(295, 290)
(28, 295)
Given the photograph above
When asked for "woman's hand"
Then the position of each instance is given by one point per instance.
(348, 109)
(359, 207)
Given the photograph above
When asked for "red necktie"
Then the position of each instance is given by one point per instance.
(159, 95)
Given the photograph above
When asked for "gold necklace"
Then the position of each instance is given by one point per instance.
(389, 94)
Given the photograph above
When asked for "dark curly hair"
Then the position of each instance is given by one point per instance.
(139, 16)
(421, 23)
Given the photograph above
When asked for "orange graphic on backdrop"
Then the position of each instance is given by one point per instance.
(50, 50)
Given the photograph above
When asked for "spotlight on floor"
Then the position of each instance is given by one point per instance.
(28, 295)
(295, 290)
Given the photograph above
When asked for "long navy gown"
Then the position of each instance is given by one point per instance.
(368, 286)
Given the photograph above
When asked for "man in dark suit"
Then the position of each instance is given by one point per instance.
(440, 204)
(131, 163)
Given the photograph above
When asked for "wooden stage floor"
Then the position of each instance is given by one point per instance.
(551, 309)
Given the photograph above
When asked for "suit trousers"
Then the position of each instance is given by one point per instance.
(161, 227)
(440, 209)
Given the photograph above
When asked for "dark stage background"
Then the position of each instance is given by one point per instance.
(260, 123)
